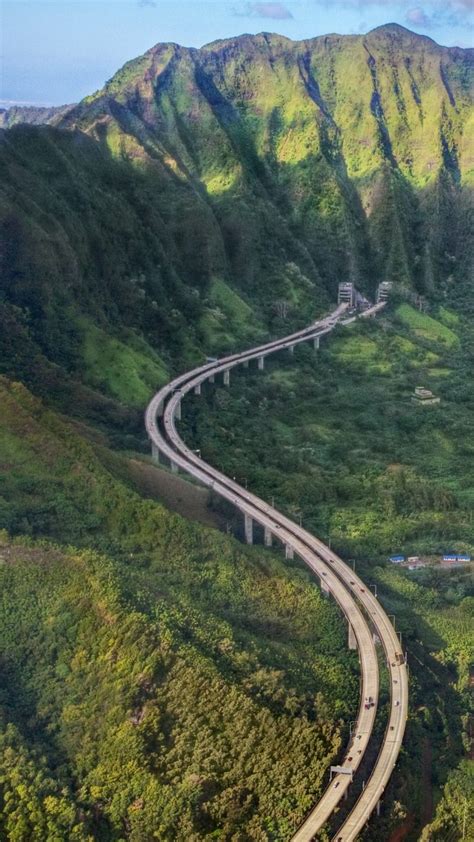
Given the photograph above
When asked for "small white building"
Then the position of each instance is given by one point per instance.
(424, 397)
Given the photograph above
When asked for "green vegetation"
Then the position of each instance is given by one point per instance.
(128, 371)
(362, 353)
(455, 813)
(227, 319)
(365, 466)
(434, 611)
(426, 327)
(204, 198)
(334, 437)
(157, 677)
(168, 681)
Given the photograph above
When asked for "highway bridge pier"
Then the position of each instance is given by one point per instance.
(261, 363)
(267, 536)
(348, 589)
(226, 377)
(248, 529)
(351, 639)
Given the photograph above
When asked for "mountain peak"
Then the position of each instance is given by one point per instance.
(401, 32)
(392, 26)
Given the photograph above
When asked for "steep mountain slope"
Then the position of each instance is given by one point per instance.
(202, 196)
(333, 134)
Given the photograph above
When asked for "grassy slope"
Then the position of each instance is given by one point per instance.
(228, 320)
(128, 370)
(175, 681)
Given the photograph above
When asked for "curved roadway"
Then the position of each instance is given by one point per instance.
(357, 603)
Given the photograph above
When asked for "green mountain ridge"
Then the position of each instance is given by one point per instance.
(270, 168)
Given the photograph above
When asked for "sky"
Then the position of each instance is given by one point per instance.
(58, 51)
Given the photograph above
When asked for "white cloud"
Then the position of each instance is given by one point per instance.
(433, 13)
(418, 17)
(275, 11)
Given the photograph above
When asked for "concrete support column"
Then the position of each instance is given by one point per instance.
(159, 410)
(177, 413)
(291, 349)
(324, 587)
(267, 537)
(155, 453)
(226, 377)
(197, 389)
(316, 343)
(248, 529)
(378, 807)
(212, 378)
(246, 363)
(261, 363)
(174, 468)
(352, 642)
(289, 551)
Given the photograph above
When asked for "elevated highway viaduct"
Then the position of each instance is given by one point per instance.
(360, 607)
